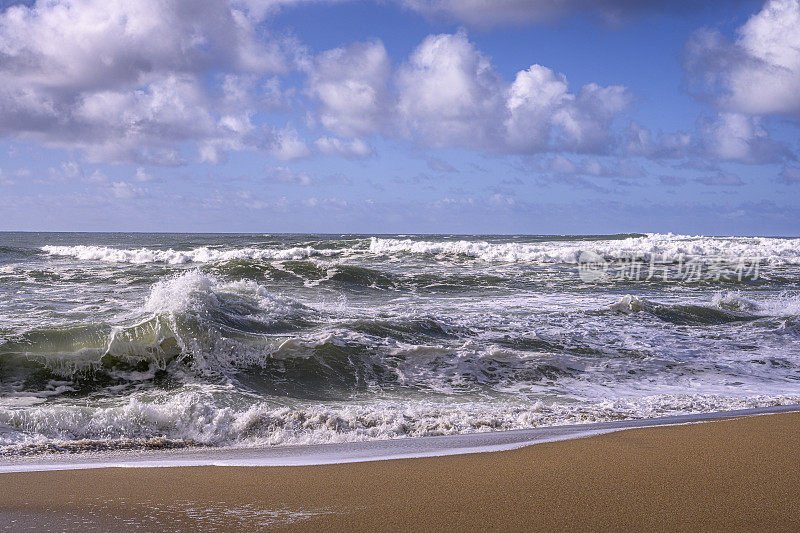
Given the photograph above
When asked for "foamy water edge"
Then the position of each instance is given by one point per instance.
(357, 452)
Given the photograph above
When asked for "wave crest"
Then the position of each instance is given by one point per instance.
(655, 246)
(179, 257)
(194, 417)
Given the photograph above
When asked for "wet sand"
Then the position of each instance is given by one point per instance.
(731, 474)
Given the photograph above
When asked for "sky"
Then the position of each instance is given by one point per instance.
(401, 116)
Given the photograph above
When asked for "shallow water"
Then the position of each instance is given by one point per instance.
(154, 340)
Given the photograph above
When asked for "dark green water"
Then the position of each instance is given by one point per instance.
(146, 339)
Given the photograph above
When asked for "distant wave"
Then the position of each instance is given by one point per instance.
(663, 247)
(177, 257)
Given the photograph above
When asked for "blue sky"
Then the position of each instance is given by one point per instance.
(434, 116)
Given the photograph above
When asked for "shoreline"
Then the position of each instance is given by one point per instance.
(728, 473)
(356, 452)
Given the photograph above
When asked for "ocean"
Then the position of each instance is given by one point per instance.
(119, 341)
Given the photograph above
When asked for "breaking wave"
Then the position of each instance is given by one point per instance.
(191, 322)
(179, 257)
(724, 307)
(195, 417)
(660, 247)
(307, 339)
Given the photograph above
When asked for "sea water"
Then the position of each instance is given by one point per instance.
(166, 340)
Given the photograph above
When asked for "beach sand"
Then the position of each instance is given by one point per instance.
(731, 474)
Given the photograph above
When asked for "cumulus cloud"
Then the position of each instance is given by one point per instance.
(449, 94)
(540, 108)
(723, 137)
(126, 81)
(351, 85)
(748, 80)
(142, 176)
(759, 72)
(286, 145)
(738, 137)
(96, 177)
(94, 44)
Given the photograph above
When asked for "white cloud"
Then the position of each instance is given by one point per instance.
(142, 176)
(770, 82)
(723, 137)
(449, 94)
(125, 191)
(97, 177)
(119, 124)
(351, 86)
(641, 141)
(352, 149)
(738, 137)
(127, 81)
(535, 96)
(747, 81)
(66, 171)
(758, 73)
(543, 112)
(94, 44)
(331, 202)
(286, 145)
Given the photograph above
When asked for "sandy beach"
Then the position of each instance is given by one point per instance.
(731, 474)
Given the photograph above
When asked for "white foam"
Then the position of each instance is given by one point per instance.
(662, 247)
(366, 451)
(198, 414)
(197, 292)
(178, 257)
(207, 300)
(781, 305)
(666, 247)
